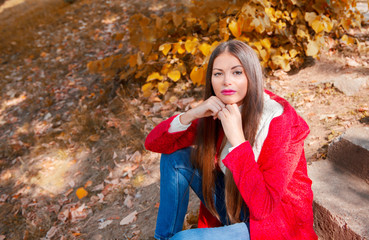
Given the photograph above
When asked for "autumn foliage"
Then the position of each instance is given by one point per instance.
(174, 47)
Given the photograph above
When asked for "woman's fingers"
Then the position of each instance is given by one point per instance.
(233, 108)
(219, 102)
(223, 114)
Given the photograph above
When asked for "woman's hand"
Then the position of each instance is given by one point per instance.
(231, 119)
(210, 107)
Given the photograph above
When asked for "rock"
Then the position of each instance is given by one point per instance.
(341, 202)
(351, 151)
(349, 84)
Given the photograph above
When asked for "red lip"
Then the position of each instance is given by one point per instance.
(228, 92)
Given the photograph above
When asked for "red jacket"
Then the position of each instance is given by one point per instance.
(276, 188)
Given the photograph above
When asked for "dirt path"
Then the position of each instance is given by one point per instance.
(63, 129)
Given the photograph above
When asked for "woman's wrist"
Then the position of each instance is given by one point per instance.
(186, 118)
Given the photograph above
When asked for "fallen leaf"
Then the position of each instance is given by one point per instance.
(327, 116)
(81, 193)
(63, 215)
(80, 213)
(136, 157)
(128, 201)
(103, 225)
(174, 75)
(101, 197)
(94, 137)
(51, 233)
(99, 187)
(3, 197)
(88, 183)
(129, 219)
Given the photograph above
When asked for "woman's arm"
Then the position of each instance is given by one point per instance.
(162, 141)
(262, 184)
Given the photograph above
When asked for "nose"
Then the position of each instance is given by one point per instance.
(227, 79)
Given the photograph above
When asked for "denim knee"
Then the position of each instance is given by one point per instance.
(178, 159)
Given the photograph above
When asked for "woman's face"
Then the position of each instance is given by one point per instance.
(229, 79)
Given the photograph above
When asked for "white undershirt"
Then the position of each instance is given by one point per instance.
(271, 110)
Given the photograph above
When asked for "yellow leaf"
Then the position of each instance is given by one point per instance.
(181, 50)
(346, 22)
(301, 33)
(281, 62)
(293, 53)
(259, 27)
(147, 87)
(174, 75)
(270, 13)
(257, 45)
(278, 14)
(191, 45)
(310, 17)
(81, 193)
(197, 75)
(165, 48)
(214, 45)
(177, 47)
(294, 13)
(163, 87)
(317, 25)
(154, 76)
(266, 43)
(312, 49)
(235, 28)
(264, 55)
(205, 49)
(165, 69)
(348, 40)
(328, 25)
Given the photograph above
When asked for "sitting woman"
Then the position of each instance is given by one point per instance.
(241, 151)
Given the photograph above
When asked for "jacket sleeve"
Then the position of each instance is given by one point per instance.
(262, 184)
(161, 141)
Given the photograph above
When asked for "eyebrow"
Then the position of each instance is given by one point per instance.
(231, 68)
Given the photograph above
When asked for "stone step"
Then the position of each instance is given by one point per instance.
(351, 151)
(341, 202)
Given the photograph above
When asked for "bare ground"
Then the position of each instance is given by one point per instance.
(63, 128)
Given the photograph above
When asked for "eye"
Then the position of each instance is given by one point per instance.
(237, 72)
(217, 74)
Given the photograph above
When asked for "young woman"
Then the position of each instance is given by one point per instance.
(241, 151)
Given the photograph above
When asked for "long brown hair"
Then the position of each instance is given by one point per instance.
(204, 153)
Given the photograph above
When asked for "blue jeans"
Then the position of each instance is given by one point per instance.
(177, 174)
